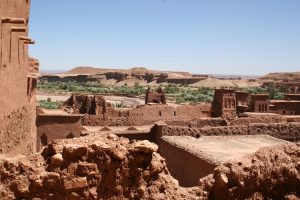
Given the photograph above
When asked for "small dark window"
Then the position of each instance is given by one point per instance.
(283, 112)
(70, 136)
(175, 113)
(159, 113)
(44, 139)
(266, 107)
(28, 86)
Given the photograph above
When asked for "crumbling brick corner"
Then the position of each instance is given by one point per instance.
(158, 97)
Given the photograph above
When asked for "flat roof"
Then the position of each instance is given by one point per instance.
(249, 114)
(219, 149)
(285, 101)
(55, 112)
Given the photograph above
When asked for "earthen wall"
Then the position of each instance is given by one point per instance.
(148, 114)
(52, 127)
(286, 131)
(285, 107)
(197, 123)
(188, 173)
(17, 80)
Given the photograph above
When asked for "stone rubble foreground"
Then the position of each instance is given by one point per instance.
(108, 167)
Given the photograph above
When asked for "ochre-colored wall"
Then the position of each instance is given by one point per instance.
(286, 131)
(17, 99)
(148, 114)
(185, 167)
(57, 127)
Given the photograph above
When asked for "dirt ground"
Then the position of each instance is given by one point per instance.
(130, 101)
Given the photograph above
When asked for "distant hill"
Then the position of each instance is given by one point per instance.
(134, 70)
(283, 76)
(147, 77)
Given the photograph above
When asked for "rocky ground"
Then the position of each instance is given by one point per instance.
(108, 167)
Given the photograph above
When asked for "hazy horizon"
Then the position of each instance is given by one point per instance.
(206, 37)
(57, 71)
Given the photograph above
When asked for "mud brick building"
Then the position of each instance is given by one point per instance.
(295, 97)
(289, 106)
(260, 103)
(224, 103)
(18, 79)
(242, 101)
(155, 97)
(97, 112)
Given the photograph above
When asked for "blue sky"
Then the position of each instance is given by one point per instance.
(201, 36)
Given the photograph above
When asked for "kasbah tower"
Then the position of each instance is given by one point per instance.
(18, 79)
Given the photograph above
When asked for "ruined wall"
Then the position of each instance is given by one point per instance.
(270, 173)
(285, 131)
(108, 167)
(242, 101)
(260, 118)
(17, 80)
(197, 123)
(285, 107)
(158, 97)
(50, 127)
(185, 166)
(291, 97)
(92, 167)
(147, 114)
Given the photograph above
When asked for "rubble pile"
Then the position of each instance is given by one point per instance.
(91, 167)
(108, 167)
(271, 173)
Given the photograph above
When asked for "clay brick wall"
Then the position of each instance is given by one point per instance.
(17, 80)
(285, 107)
(286, 131)
(57, 127)
(295, 97)
(224, 103)
(186, 173)
(260, 103)
(155, 97)
(242, 101)
(197, 123)
(147, 114)
(266, 118)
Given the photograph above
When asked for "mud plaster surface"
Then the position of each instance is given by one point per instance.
(219, 149)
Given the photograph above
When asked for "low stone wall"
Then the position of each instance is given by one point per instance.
(109, 167)
(148, 114)
(198, 123)
(186, 167)
(93, 120)
(50, 127)
(286, 131)
(259, 119)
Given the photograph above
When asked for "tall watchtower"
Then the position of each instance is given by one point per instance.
(224, 104)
